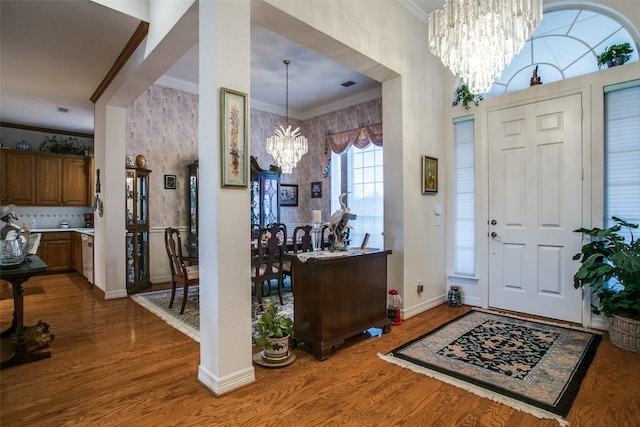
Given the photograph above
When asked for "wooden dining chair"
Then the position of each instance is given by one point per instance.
(301, 242)
(184, 270)
(267, 263)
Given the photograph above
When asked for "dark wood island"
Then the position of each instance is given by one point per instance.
(338, 295)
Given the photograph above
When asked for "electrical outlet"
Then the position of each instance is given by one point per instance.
(420, 287)
(161, 262)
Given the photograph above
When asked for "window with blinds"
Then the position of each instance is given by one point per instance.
(464, 216)
(360, 173)
(622, 153)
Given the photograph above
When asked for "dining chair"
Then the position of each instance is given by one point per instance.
(267, 263)
(184, 270)
(301, 242)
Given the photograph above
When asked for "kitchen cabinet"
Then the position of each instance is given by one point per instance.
(55, 250)
(76, 251)
(17, 177)
(137, 222)
(62, 180)
(265, 195)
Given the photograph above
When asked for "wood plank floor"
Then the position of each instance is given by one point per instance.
(114, 364)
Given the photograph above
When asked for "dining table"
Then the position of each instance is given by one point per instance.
(17, 275)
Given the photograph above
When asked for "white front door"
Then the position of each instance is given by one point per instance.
(535, 203)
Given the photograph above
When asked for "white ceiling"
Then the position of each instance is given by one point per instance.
(56, 53)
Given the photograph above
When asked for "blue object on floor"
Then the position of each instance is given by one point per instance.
(374, 332)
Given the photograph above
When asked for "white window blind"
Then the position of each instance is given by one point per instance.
(622, 154)
(362, 177)
(464, 222)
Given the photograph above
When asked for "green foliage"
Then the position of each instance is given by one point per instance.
(614, 51)
(464, 96)
(610, 256)
(61, 145)
(271, 325)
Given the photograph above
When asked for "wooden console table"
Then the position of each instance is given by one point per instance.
(32, 266)
(338, 296)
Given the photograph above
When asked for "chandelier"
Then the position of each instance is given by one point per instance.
(287, 146)
(477, 39)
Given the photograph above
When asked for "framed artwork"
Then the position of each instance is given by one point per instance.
(234, 138)
(316, 190)
(429, 175)
(288, 195)
(170, 182)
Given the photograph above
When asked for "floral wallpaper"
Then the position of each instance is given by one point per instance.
(162, 125)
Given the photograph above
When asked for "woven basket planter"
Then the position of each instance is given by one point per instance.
(624, 333)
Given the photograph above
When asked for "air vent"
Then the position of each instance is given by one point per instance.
(349, 83)
(62, 110)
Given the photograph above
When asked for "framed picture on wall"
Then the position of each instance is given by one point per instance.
(170, 182)
(429, 175)
(288, 195)
(316, 190)
(233, 138)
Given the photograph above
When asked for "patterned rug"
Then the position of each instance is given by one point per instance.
(528, 365)
(189, 322)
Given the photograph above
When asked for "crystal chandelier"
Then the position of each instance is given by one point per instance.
(287, 146)
(477, 39)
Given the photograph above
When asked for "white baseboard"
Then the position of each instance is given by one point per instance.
(220, 386)
(422, 307)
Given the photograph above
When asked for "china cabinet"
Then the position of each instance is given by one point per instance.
(192, 241)
(137, 221)
(265, 195)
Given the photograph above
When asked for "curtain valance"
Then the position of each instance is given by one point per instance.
(360, 138)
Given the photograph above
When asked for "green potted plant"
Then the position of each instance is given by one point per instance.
(610, 265)
(616, 54)
(464, 96)
(273, 331)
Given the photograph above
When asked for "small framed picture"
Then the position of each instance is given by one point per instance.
(170, 182)
(429, 175)
(288, 195)
(316, 190)
(234, 137)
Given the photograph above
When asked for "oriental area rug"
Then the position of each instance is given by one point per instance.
(532, 366)
(189, 322)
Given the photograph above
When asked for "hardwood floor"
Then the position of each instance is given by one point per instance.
(114, 363)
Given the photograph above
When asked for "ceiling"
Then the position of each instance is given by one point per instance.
(56, 53)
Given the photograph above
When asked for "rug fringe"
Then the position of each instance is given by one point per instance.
(513, 403)
(546, 322)
(182, 327)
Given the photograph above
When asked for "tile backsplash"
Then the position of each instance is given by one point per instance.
(51, 217)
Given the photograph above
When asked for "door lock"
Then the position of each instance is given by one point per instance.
(494, 222)
(494, 234)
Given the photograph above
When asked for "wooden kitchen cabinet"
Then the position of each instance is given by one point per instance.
(55, 250)
(18, 177)
(62, 180)
(76, 251)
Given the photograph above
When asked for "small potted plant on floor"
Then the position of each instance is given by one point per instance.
(610, 265)
(273, 331)
(616, 54)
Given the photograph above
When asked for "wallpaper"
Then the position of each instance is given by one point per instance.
(162, 125)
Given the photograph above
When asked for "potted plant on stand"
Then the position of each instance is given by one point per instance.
(616, 54)
(610, 265)
(273, 331)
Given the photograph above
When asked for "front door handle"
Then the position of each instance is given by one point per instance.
(494, 234)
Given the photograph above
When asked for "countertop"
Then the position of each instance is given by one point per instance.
(82, 230)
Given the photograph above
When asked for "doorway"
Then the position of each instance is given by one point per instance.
(535, 203)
